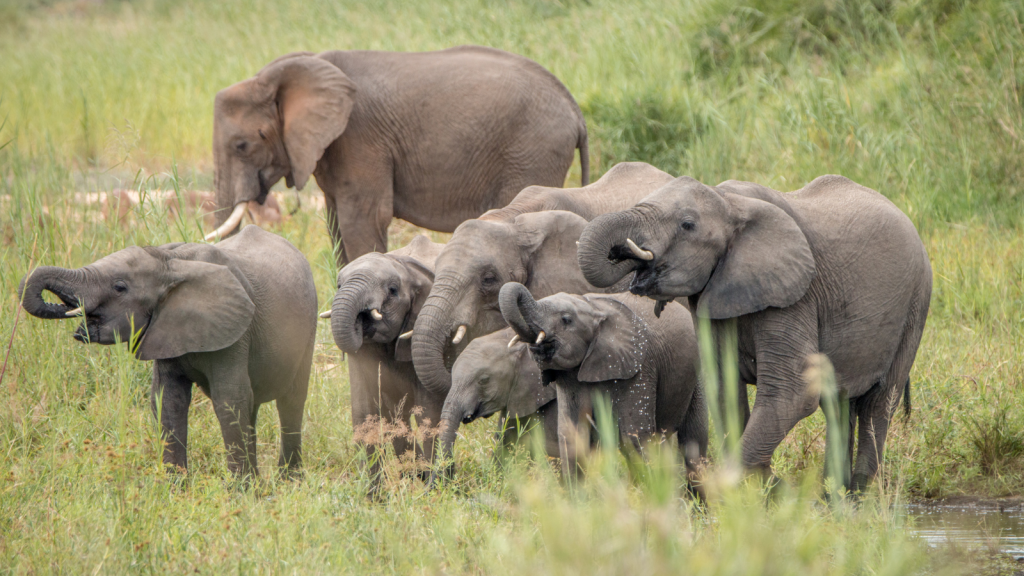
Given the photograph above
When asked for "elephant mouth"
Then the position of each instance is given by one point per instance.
(544, 352)
(645, 281)
(367, 323)
(479, 412)
(88, 332)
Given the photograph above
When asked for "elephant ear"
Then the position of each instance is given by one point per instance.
(420, 280)
(548, 241)
(531, 394)
(617, 350)
(768, 263)
(205, 308)
(314, 100)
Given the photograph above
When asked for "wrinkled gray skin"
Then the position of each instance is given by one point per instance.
(614, 344)
(237, 318)
(434, 138)
(833, 268)
(395, 284)
(621, 187)
(491, 377)
(514, 244)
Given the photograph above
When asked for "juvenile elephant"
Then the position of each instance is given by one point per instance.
(614, 344)
(237, 318)
(834, 268)
(434, 138)
(378, 299)
(496, 374)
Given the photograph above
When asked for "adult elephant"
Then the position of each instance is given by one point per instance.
(434, 138)
(531, 241)
(833, 268)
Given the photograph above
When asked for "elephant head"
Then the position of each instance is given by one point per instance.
(378, 299)
(735, 253)
(494, 373)
(599, 335)
(276, 124)
(536, 249)
(171, 300)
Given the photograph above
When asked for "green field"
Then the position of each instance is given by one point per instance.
(919, 99)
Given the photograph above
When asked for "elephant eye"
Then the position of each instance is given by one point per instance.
(262, 135)
(393, 290)
(242, 146)
(485, 379)
(567, 320)
(687, 225)
(120, 287)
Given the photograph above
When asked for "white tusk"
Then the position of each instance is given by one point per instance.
(76, 312)
(540, 338)
(459, 334)
(513, 341)
(325, 315)
(230, 224)
(405, 336)
(376, 315)
(638, 251)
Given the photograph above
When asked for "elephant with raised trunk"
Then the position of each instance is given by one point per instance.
(434, 138)
(496, 374)
(614, 344)
(237, 318)
(374, 309)
(833, 268)
(531, 241)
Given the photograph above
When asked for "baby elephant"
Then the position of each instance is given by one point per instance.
(497, 374)
(374, 309)
(237, 318)
(614, 343)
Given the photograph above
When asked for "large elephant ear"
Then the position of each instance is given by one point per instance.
(419, 280)
(314, 99)
(206, 308)
(548, 240)
(768, 263)
(617, 350)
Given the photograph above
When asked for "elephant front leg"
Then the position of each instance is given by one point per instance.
(574, 402)
(359, 205)
(231, 393)
(170, 398)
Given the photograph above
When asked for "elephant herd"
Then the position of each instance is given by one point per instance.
(542, 297)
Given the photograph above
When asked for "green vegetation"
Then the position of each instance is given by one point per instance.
(918, 99)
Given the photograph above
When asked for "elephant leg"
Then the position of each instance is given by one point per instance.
(430, 417)
(173, 391)
(783, 343)
(231, 393)
(290, 410)
(693, 434)
(363, 379)
(360, 203)
(574, 402)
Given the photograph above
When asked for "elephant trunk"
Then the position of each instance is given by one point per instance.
(604, 254)
(352, 298)
(60, 281)
(431, 335)
(520, 310)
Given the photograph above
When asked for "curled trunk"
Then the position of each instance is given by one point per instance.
(431, 336)
(60, 281)
(603, 254)
(520, 310)
(346, 325)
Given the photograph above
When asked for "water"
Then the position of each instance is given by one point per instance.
(971, 525)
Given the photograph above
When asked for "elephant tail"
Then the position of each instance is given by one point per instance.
(584, 148)
(906, 400)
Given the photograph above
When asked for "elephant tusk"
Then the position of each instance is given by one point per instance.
(513, 341)
(459, 334)
(405, 336)
(540, 338)
(638, 251)
(325, 315)
(376, 315)
(230, 224)
(76, 312)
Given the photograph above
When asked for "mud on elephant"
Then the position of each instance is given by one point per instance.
(238, 319)
(833, 268)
